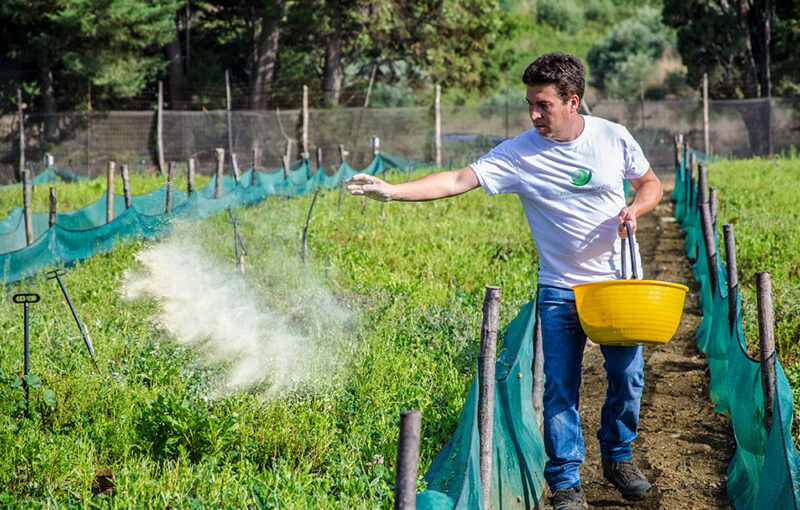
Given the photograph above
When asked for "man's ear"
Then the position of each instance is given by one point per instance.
(574, 104)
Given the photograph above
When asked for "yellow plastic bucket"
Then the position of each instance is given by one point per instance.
(630, 312)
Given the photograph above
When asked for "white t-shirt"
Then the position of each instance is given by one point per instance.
(572, 193)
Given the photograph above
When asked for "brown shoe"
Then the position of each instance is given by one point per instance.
(626, 477)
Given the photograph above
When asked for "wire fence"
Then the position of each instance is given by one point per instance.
(87, 140)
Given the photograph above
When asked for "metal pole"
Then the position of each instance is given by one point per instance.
(766, 335)
(26, 300)
(305, 122)
(706, 142)
(220, 165)
(486, 375)
(405, 487)
(53, 202)
(57, 274)
(110, 192)
(711, 245)
(733, 277)
(126, 186)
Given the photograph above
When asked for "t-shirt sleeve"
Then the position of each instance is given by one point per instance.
(497, 171)
(636, 164)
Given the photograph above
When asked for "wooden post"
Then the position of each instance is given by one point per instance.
(110, 191)
(405, 487)
(706, 142)
(288, 155)
(235, 166)
(702, 184)
(285, 162)
(712, 204)
(49, 160)
(254, 174)
(319, 160)
(305, 122)
(766, 336)
(26, 204)
(538, 371)
(376, 146)
(220, 165)
(711, 245)
(341, 178)
(486, 382)
(89, 127)
(437, 133)
(228, 111)
(160, 129)
(190, 176)
(126, 186)
(20, 108)
(733, 277)
(170, 175)
(53, 203)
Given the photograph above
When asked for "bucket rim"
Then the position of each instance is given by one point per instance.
(616, 283)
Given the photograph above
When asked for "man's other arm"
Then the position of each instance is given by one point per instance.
(431, 187)
(648, 194)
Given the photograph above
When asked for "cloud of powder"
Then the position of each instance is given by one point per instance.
(201, 304)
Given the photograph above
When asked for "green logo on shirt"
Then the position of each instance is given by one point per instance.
(581, 177)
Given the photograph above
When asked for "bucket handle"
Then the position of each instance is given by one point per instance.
(634, 275)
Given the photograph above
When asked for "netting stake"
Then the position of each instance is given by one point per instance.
(168, 200)
(712, 204)
(20, 108)
(319, 160)
(766, 334)
(341, 178)
(110, 192)
(190, 176)
(486, 375)
(702, 184)
(235, 167)
(711, 246)
(237, 242)
(126, 186)
(57, 274)
(733, 277)
(26, 204)
(220, 165)
(53, 202)
(26, 300)
(160, 129)
(305, 229)
(405, 487)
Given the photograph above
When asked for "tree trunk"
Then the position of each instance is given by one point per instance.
(175, 73)
(265, 55)
(48, 97)
(749, 82)
(332, 72)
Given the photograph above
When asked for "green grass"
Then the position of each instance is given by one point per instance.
(413, 282)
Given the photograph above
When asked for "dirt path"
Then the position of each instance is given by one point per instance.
(684, 446)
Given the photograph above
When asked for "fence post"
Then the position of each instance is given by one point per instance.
(702, 184)
(26, 204)
(254, 175)
(228, 111)
(126, 186)
(766, 335)
(220, 165)
(706, 137)
(437, 133)
(733, 277)
(376, 145)
(319, 160)
(287, 158)
(53, 203)
(110, 191)
(160, 129)
(341, 178)
(405, 487)
(20, 108)
(170, 174)
(305, 122)
(712, 204)
(190, 176)
(711, 245)
(235, 167)
(486, 374)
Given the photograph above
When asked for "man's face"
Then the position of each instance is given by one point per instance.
(549, 113)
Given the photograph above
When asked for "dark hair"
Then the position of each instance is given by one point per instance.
(564, 71)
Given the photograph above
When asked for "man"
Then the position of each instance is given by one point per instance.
(569, 173)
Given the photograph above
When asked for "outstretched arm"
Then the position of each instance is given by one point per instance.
(431, 187)
(648, 194)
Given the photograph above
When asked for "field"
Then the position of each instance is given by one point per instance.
(387, 311)
(283, 388)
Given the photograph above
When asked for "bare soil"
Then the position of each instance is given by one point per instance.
(683, 447)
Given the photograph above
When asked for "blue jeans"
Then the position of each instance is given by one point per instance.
(563, 342)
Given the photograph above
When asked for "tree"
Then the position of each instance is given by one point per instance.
(622, 59)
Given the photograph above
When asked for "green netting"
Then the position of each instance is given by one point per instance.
(51, 174)
(518, 455)
(81, 233)
(765, 470)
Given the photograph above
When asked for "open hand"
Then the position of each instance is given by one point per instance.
(626, 215)
(369, 186)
